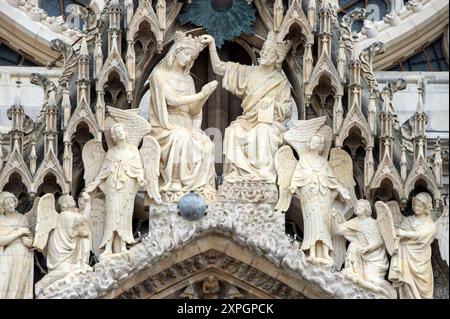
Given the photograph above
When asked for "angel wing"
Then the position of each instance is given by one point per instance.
(298, 136)
(386, 224)
(150, 155)
(338, 241)
(397, 215)
(97, 224)
(442, 234)
(135, 125)
(285, 163)
(92, 156)
(31, 215)
(342, 165)
(47, 217)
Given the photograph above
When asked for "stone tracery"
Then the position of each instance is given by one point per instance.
(236, 213)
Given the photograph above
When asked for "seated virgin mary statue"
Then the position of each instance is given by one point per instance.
(187, 153)
(253, 138)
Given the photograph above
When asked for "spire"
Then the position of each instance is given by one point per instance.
(84, 49)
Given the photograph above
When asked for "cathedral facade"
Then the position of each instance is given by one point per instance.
(224, 149)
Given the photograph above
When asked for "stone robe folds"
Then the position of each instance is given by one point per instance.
(68, 247)
(187, 153)
(119, 174)
(372, 265)
(16, 264)
(411, 269)
(250, 144)
(315, 181)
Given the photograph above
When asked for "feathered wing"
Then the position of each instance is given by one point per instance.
(442, 234)
(338, 241)
(298, 136)
(150, 156)
(92, 156)
(135, 125)
(47, 217)
(342, 165)
(97, 223)
(397, 215)
(385, 222)
(285, 163)
(31, 215)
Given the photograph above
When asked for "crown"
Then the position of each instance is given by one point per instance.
(187, 41)
(282, 47)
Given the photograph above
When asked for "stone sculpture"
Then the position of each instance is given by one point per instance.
(253, 138)
(313, 180)
(408, 240)
(366, 258)
(187, 153)
(63, 238)
(124, 169)
(16, 254)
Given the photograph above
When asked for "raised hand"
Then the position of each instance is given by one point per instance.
(208, 88)
(206, 39)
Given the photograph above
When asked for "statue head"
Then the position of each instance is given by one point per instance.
(118, 133)
(363, 208)
(316, 142)
(66, 202)
(422, 203)
(184, 51)
(273, 52)
(8, 202)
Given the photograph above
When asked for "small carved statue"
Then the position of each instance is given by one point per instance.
(253, 138)
(64, 238)
(408, 241)
(187, 153)
(211, 288)
(315, 181)
(16, 254)
(366, 258)
(120, 173)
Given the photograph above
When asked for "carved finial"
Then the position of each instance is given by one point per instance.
(83, 48)
(420, 92)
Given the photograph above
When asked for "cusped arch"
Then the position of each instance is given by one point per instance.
(51, 165)
(16, 164)
(315, 78)
(144, 16)
(82, 114)
(347, 127)
(121, 72)
(295, 15)
(431, 184)
(388, 172)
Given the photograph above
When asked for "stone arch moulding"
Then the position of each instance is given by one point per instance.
(143, 14)
(295, 15)
(82, 114)
(218, 255)
(15, 164)
(51, 165)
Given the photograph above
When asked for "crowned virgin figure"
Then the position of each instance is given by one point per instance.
(187, 153)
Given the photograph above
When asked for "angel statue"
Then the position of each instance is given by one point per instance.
(366, 258)
(315, 181)
(408, 240)
(16, 254)
(253, 138)
(63, 238)
(187, 153)
(120, 173)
